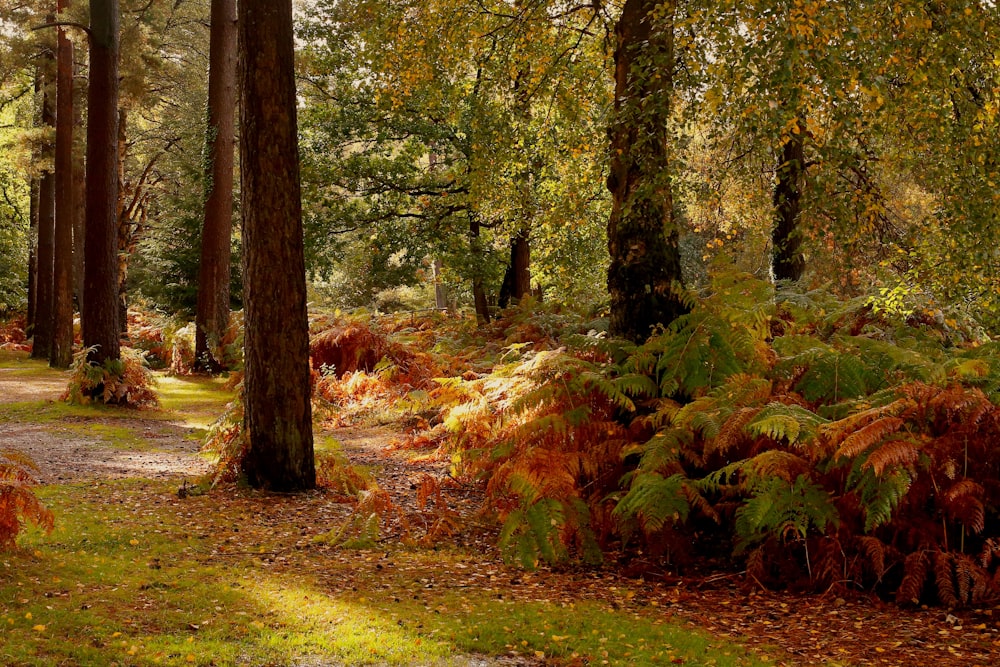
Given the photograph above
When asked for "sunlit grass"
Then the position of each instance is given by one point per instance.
(134, 575)
(194, 401)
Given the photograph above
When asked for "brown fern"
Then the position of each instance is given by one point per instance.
(867, 436)
(17, 502)
(892, 452)
(916, 568)
(963, 503)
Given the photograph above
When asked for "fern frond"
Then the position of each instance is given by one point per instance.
(867, 436)
(916, 567)
(893, 452)
(963, 502)
(875, 551)
(780, 421)
(654, 501)
(732, 431)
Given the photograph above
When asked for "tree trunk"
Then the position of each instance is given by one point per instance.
(478, 292)
(517, 279)
(786, 239)
(44, 289)
(124, 224)
(278, 416)
(440, 290)
(100, 316)
(79, 187)
(62, 310)
(29, 328)
(212, 317)
(644, 277)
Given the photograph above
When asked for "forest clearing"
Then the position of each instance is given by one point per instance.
(137, 572)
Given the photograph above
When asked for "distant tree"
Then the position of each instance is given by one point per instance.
(100, 316)
(643, 236)
(216, 237)
(44, 292)
(61, 353)
(278, 417)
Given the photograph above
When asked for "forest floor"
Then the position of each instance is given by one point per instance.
(149, 566)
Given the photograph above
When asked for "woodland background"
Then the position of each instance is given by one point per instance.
(821, 402)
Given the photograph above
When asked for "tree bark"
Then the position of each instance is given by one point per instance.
(32, 254)
(645, 271)
(278, 417)
(212, 316)
(478, 292)
(62, 310)
(517, 279)
(79, 186)
(44, 288)
(124, 225)
(788, 263)
(100, 315)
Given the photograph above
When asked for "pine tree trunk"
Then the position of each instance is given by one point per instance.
(29, 328)
(517, 279)
(62, 310)
(100, 316)
(278, 417)
(124, 225)
(44, 288)
(212, 317)
(645, 269)
(79, 186)
(786, 240)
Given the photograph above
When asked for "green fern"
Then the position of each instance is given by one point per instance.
(654, 501)
(881, 494)
(792, 423)
(783, 510)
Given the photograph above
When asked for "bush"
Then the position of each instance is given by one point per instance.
(125, 381)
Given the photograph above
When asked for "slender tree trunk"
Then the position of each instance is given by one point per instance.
(124, 224)
(62, 311)
(645, 271)
(440, 290)
(100, 316)
(786, 238)
(212, 317)
(79, 186)
(278, 415)
(44, 288)
(32, 254)
(478, 292)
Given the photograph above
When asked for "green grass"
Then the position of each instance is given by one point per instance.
(132, 575)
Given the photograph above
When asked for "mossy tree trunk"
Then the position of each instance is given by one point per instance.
(645, 271)
(788, 263)
(212, 316)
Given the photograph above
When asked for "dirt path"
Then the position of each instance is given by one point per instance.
(73, 449)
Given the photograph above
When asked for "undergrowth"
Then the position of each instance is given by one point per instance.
(126, 381)
(821, 443)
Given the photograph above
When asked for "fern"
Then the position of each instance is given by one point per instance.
(17, 502)
(654, 501)
(779, 509)
(880, 494)
(791, 423)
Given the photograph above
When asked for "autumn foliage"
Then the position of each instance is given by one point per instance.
(17, 503)
(820, 443)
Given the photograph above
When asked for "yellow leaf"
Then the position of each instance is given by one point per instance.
(133, 541)
(28, 616)
(39, 628)
(190, 657)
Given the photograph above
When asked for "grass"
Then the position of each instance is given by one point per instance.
(133, 575)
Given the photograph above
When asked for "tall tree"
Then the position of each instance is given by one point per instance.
(643, 236)
(216, 237)
(100, 315)
(44, 293)
(278, 416)
(788, 262)
(61, 353)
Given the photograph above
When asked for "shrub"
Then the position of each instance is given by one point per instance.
(125, 381)
(17, 503)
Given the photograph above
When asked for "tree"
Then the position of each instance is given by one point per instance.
(100, 315)
(278, 418)
(61, 353)
(643, 236)
(213, 275)
(45, 263)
